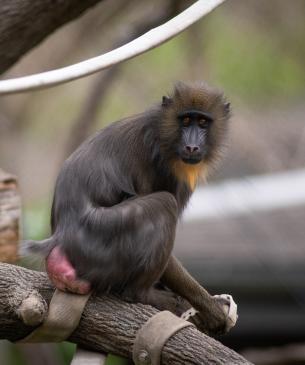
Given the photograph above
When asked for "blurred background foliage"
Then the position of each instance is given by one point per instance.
(254, 50)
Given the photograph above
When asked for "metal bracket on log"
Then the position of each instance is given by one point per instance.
(153, 335)
(65, 311)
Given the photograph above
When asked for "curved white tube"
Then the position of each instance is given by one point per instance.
(147, 41)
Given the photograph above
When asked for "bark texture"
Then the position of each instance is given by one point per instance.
(9, 217)
(25, 23)
(107, 324)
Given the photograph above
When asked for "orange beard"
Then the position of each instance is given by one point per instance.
(189, 173)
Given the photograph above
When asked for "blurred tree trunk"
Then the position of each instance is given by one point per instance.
(25, 23)
(9, 217)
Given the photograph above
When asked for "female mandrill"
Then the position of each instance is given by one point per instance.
(119, 195)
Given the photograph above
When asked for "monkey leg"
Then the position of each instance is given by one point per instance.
(167, 300)
(213, 318)
(162, 299)
(63, 275)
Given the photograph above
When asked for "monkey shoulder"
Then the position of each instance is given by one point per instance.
(108, 165)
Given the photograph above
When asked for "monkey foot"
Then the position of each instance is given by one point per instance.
(63, 275)
(228, 306)
(230, 309)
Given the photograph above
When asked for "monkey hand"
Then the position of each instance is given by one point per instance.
(218, 317)
(63, 275)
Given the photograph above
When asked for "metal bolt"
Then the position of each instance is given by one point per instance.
(144, 357)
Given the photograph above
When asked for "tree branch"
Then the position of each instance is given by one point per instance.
(107, 324)
(25, 23)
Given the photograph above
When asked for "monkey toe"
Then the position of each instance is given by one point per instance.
(217, 316)
(230, 309)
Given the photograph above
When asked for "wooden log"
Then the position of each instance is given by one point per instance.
(107, 325)
(10, 211)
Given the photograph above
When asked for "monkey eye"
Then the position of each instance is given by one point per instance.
(203, 123)
(186, 121)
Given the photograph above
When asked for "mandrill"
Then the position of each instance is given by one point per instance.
(118, 198)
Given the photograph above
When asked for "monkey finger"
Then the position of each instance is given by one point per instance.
(191, 312)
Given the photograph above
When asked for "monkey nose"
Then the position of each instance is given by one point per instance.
(191, 149)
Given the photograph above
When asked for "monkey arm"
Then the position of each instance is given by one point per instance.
(177, 278)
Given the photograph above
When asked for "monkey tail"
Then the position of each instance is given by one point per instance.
(42, 248)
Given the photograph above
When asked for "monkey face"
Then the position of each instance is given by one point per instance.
(195, 127)
(194, 124)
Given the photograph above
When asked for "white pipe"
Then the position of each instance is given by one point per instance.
(147, 41)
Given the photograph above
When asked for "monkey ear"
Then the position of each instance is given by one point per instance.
(166, 101)
(227, 108)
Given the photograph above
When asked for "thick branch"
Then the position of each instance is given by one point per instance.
(107, 324)
(25, 23)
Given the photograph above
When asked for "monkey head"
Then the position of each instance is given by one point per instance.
(194, 124)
